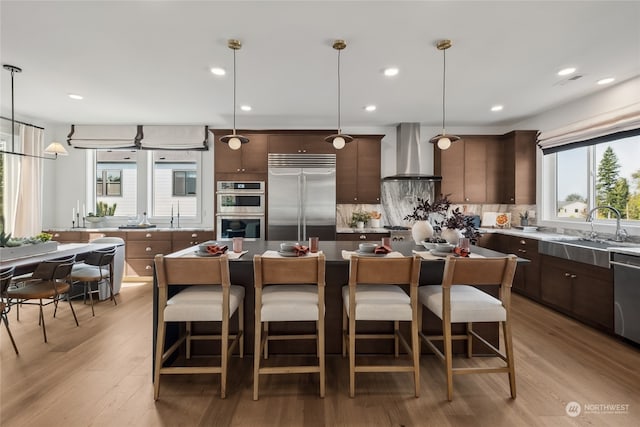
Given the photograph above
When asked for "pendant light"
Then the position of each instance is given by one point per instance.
(339, 139)
(53, 148)
(443, 140)
(234, 140)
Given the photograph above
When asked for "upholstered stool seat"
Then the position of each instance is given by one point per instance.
(468, 304)
(200, 303)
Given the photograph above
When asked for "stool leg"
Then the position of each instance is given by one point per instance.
(88, 285)
(508, 343)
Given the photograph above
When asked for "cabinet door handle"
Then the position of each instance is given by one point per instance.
(573, 276)
(194, 235)
(238, 170)
(242, 169)
(355, 198)
(523, 242)
(567, 275)
(56, 235)
(148, 267)
(466, 199)
(147, 249)
(148, 235)
(363, 237)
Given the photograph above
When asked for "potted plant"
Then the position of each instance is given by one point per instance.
(359, 218)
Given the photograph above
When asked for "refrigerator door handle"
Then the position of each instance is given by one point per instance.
(303, 198)
(300, 202)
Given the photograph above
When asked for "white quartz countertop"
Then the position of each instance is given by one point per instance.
(361, 230)
(111, 229)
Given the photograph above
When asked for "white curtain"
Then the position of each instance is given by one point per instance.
(620, 120)
(104, 136)
(27, 206)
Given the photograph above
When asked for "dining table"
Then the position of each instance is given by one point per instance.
(337, 276)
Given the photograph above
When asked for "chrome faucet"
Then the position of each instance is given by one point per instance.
(621, 233)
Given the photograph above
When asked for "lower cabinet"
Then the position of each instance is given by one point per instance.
(580, 290)
(141, 246)
(352, 237)
(527, 277)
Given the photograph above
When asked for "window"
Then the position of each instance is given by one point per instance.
(109, 182)
(606, 173)
(175, 183)
(161, 183)
(117, 181)
(184, 183)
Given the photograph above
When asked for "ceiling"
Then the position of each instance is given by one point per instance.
(148, 62)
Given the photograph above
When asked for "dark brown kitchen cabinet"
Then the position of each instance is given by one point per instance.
(302, 143)
(358, 171)
(251, 158)
(527, 277)
(184, 239)
(470, 170)
(583, 291)
(519, 176)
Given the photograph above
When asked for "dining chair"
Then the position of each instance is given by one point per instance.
(288, 290)
(205, 295)
(50, 282)
(374, 293)
(459, 300)
(5, 280)
(96, 268)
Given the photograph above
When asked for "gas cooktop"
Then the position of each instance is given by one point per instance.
(396, 227)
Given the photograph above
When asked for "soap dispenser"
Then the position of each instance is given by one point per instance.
(145, 221)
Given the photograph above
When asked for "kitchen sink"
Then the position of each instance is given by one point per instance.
(594, 252)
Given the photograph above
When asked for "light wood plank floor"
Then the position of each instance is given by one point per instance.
(100, 375)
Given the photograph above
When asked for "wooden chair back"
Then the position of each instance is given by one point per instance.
(192, 271)
(282, 271)
(397, 271)
(479, 271)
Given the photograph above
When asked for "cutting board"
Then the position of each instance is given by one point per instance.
(496, 219)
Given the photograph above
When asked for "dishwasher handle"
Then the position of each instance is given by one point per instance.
(622, 264)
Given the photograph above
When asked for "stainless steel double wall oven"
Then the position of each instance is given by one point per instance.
(240, 209)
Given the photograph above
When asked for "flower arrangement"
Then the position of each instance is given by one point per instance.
(462, 222)
(423, 209)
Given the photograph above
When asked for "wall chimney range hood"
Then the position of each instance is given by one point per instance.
(408, 158)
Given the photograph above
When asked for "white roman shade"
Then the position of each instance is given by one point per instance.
(104, 136)
(174, 137)
(614, 122)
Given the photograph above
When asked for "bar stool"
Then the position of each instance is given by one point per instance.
(97, 267)
(374, 294)
(458, 302)
(207, 296)
(288, 290)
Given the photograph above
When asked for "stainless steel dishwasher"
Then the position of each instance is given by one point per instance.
(626, 290)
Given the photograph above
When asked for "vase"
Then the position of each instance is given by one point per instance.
(451, 235)
(360, 224)
(524, 222)
(421, 231)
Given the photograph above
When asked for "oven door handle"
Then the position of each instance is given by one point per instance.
(622, 264)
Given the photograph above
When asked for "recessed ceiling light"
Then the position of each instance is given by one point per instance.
(566, 71)
(370, 108)
(390, 72)
(245, 107)
(606, 81)
(74, 96)
(497, 108)
(218, 71)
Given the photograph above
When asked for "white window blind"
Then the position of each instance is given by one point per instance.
(104, 136)
(174, 137)
(620, 120)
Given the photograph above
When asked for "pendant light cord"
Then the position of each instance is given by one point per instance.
(339, 130)
(234, 91)
(444, 85)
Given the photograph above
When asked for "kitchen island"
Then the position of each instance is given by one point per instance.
(337, 275)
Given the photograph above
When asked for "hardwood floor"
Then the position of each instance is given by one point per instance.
(99, 374)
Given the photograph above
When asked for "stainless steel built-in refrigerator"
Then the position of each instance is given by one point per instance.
(302, 197)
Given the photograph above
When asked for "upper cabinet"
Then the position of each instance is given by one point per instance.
(358, 171)
(250, 158)
(519, 181)
(470, 170)
(489, 169)
(299, 144)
